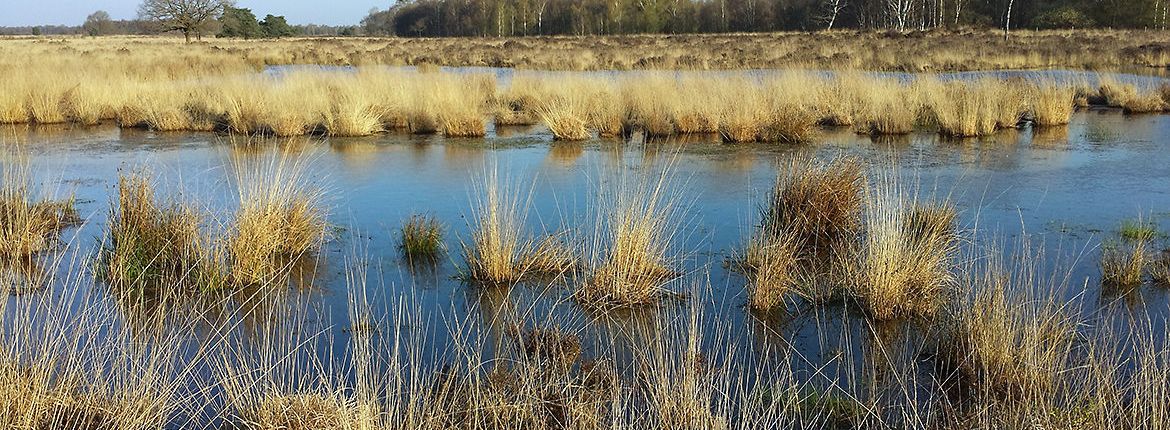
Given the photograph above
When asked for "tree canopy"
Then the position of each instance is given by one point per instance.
(190, 17)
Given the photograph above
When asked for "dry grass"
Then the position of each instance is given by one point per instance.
(631, 259)
(1013, 339)
(906, 258)
(498, 241)
(552, 257)
(306, 411)
(1130, 98)
(27, 226)
(961, 109)
(773, 268)
(1052, 104)
(818, 204)
(1123, 265)
(153, 246)
(280, 218)
(887, 107)
(564, 118)
(1160, 268)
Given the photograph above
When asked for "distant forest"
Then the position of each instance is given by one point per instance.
(443, 18)
(587, 17)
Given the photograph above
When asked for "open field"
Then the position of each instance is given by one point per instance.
(929, 51)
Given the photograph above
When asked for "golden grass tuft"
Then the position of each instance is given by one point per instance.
(1160, 268)
(552, 257)
(818, 204)
(963, 109)
(772, 266)
(27, 227)
(280, 218)
(1052, 104)
(153, 246)
(564, 118)
(906, 257)
(1129, 98)
(1123, 264)
(1011, 343)
(887, 107)
(495, 255)
(307, 411)
(631, 244)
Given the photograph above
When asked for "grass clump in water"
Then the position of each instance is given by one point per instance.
(1052, 104)
(772, 267)
(1010, 344)
(495, 255)
(421, 238)
(153, 246)
(906, 256)
(631, 245)
(1123, 264)
(551, 257)
(279, 219)
(28, 227)
(813, 211)
(819, 204)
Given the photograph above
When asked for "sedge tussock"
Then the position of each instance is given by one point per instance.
(1123, 264)
(887, 107)
(1052, 104)
(498, 242)
(1013, 338)
(564, 118)
(153, 245)
(772, 266)
(27, 226)
(631, 258)
(818, 204)
(552, 257)
(906, 256)
(421, 238)
(280, 218)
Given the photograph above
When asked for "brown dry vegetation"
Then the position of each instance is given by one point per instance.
(206, 88)
(28, 225)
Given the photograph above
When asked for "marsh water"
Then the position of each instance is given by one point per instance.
(1066, 189)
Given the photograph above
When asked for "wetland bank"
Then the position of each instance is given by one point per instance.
(197, 243)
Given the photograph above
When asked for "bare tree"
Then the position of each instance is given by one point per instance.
(832, 8)
(186, 16)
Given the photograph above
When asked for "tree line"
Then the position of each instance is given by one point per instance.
(437, 18)
(440, 18)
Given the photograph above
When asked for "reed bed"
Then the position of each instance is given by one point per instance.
(207, 93)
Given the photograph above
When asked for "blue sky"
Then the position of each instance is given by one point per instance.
(73, 12)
